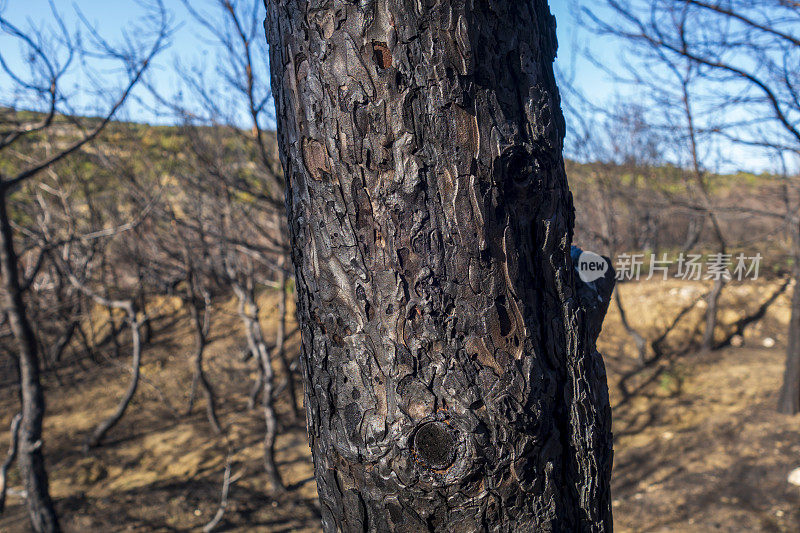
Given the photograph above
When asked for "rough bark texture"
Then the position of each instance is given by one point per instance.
(451, 377)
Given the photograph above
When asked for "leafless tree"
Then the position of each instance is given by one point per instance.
(745, 57)
(135, 325)
(52, 57)
(240, 185)
(241, 277)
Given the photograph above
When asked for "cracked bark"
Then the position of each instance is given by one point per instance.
(451, 377)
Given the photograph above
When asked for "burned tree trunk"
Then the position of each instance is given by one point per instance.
(451, 376)
(30, 458)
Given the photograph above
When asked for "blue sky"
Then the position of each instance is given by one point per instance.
(190, 45)
(111, 17)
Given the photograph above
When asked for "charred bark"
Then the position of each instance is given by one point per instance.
(451, 377)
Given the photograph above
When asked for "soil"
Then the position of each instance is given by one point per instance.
(699, 445)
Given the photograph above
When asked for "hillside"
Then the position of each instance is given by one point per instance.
(701, 449)
(621, 207)
(698, 444)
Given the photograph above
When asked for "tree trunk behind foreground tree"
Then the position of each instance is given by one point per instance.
(789, 400)
(451, 377)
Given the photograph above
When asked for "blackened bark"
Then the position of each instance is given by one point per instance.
(30, 458)
(451, 376)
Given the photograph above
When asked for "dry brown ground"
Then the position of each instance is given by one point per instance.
(702, 448)
(699, 448)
